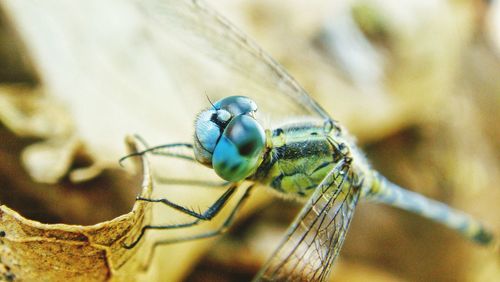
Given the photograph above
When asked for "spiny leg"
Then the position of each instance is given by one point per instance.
(192, 182)
(159, 150)
(211, 212)
(156, 149)
(163, 150)
(208, 214)
(219, 230)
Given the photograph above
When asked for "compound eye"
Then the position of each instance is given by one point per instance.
(237, 105)
(211, 123)
(207, 133)
(239, 149)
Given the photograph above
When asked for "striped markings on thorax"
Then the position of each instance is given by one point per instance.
(298, 159)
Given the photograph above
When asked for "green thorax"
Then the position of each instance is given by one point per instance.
(298, 158)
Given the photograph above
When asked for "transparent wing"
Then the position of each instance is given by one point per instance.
(210, 55)
(314, 240)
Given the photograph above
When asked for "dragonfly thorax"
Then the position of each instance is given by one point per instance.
(298, 159)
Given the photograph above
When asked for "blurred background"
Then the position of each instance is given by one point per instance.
(417, 83)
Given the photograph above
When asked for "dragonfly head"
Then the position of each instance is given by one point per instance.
(229, 139)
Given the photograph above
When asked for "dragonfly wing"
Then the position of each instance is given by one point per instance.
(314, 239)
(240, 65)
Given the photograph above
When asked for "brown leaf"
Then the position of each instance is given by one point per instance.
(33, 251)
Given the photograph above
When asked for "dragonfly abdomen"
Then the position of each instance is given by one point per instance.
(388, 193)
(298, 159)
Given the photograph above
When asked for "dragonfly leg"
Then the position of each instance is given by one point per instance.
(159, 227)
(219, 230)
(191, 182)
(208, 214)
(161, 150)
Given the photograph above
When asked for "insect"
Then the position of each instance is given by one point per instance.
(312, 159)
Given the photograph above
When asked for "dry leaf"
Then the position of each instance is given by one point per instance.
(32, 251)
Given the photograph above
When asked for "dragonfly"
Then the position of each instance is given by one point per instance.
(313, 158)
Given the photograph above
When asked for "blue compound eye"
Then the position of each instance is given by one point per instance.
(237, 105)
(239, 149)
(211, 123)
(207, 132)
